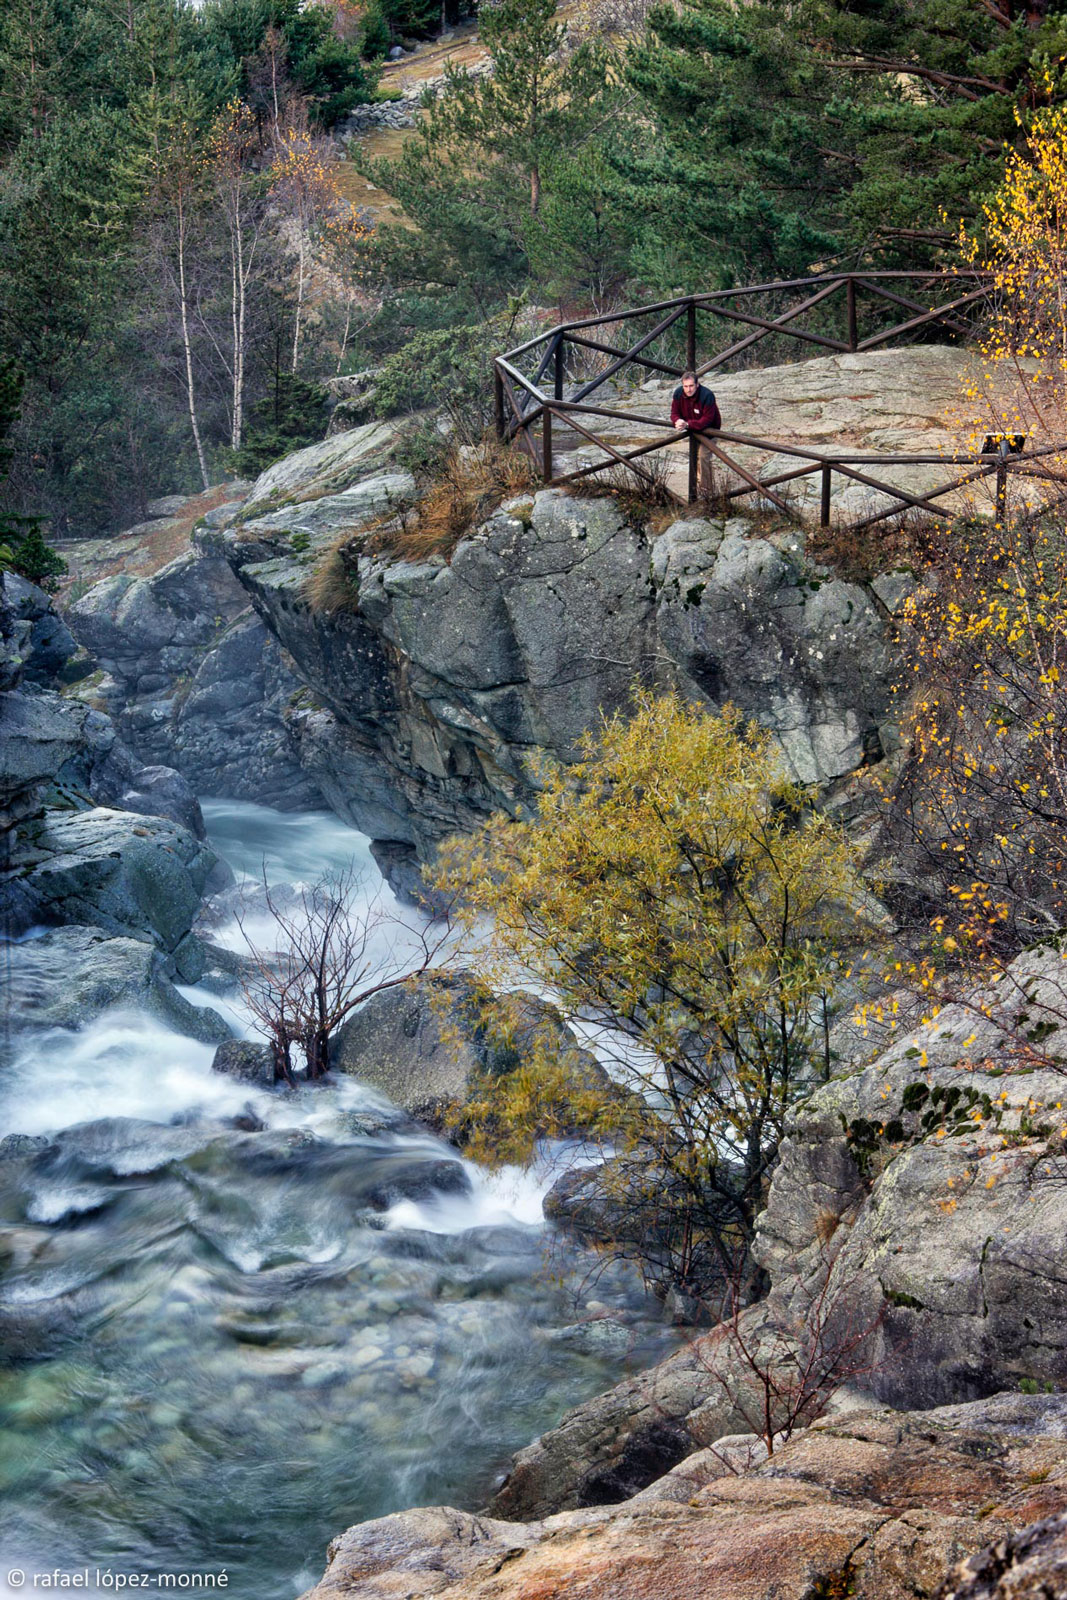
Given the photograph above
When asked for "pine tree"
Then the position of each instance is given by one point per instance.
(490, 148)
(790, 137)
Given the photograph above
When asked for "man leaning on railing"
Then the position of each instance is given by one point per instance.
(693, 410)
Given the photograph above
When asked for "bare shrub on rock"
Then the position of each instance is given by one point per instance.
(331, 953)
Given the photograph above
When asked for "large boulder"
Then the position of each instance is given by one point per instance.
(419, 1044)
(40, 734)
(872, 1505)
(69, 976)
(60, 750)
(943, 1231)
(49, 644)
(134, 876)
(193, 679)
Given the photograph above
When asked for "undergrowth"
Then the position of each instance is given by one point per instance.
(469, 485)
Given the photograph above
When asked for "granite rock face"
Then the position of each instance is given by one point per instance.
(940, 1243)
(134, 876)
(193, 679)
(1027, 1565)
(948, 1238)
(47, 642)
(103, 854)
(873, 1505)
(440, 685)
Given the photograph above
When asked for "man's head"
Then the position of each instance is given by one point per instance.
(689, 383)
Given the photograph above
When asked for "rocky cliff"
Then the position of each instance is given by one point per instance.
(420, 695)
(102, 859)
(434, 687)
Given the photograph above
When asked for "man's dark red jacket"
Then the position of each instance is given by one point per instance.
(698, 410)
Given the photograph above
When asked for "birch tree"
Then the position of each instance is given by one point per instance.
(240, 190)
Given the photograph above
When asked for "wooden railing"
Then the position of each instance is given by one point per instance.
(838, 313)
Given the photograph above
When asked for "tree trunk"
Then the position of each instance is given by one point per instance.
(282, 1046)
(239, 353)
(317, 1046)
(235, 425)
(299, 297)
(189, 389)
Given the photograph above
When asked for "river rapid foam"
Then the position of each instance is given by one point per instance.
(223, 1343)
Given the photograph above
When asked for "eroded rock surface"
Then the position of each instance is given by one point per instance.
(193, 678)
(1028, 1565)
(131, 875)
(438, 685)
(873, 1505)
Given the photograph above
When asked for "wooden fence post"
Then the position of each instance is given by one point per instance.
(546, 444)
(694, 468)
(850, 311)
(824, 509)
(1002, 480)
(691, 335)
(558, 375)
(498, 401)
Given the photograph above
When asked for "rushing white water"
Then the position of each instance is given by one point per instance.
(221, 1342)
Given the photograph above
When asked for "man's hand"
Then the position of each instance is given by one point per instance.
(681, 423)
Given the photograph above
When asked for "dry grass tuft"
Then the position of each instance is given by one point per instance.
(914, 540)
(827, 1223)
(471, 483)
(469, 486)
(334, 583)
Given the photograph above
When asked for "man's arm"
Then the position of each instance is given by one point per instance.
(708, 415)
(677, 420)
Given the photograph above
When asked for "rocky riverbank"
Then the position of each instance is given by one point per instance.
(935, 1249)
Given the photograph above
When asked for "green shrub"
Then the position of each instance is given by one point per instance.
(291, 416)
(447, 367)
(23, 549)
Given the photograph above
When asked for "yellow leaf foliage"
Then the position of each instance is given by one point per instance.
(676, 895)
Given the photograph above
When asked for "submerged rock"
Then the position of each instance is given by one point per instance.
(246, 1061)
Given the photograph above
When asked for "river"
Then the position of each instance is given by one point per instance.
(221, 1346)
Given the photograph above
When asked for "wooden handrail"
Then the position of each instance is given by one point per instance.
(528, 404)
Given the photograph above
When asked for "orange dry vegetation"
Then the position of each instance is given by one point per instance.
(141, 552)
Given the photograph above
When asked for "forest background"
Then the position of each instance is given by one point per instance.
(180, 270)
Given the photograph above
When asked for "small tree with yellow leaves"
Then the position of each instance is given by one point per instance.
(1021, 241)
(978, 813)
(979, 809)
(691, 915)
